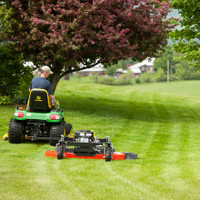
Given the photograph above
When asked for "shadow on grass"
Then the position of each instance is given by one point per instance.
(131, 110)
(36, 142)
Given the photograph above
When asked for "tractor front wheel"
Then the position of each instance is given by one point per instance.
(15, 132)
(108, 154)
(59, 150)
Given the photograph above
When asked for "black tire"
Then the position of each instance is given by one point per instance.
(108, 155)
(59, 150)
(56, 131)
(15, 132)
(68, 129)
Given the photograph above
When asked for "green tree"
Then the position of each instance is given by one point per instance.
(161, 62)
(187, 37)
(160, 76)
(126, 62)
(111, 70)
(13, 75)
(180, 71)
(186, 71)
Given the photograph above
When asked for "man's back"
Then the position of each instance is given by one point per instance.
(42, 83)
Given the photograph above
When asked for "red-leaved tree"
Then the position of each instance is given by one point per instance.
(64, 33)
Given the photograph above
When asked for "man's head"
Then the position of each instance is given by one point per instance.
(45, 71)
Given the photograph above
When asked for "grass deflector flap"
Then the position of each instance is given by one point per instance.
(86, 145)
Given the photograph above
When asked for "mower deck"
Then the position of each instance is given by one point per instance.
(86, 145)
(114, 156)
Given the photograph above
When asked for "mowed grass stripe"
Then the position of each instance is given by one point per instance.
(152, 165)
(189, 150)
(176, 147)
(15, 172)
(50, 171)
(175, 183)
(187, 145)
(145, 189)
(132, 128)
(138, 132)
(161, 135)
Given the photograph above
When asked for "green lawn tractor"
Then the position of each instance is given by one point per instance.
(41, 122)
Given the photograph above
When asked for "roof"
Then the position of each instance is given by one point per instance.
(121, 71)
(146, 62)
(136, 70)
(97, 68)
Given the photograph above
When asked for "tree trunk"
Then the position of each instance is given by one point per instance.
(54, 81)
(66, 77)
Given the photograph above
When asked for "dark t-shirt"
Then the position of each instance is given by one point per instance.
(42, 83)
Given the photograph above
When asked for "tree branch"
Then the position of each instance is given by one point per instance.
(78, 69)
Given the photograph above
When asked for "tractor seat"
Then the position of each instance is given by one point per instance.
(39, 101)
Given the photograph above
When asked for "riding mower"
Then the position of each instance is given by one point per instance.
(40, 122)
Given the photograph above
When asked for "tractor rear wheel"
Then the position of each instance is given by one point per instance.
(15, 132)
(56, 131)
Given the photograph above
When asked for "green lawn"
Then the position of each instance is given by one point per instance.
(159, 122)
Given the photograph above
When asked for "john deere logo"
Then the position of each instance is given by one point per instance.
(38, 98)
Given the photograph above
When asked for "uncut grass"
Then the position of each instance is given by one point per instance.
(161, 126)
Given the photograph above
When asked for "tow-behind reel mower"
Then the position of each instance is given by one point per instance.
(84, 144)
(40, 122)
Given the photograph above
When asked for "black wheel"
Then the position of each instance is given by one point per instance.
(56, 131)
(15, 132)
(108, 155)
(68, 128)
(59, 150)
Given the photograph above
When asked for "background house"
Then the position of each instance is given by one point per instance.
(136, 71)
(145, 65)
(119, 72)
(98, 69)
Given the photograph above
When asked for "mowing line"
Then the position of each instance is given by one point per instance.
(188, 138)
(137, 188)
(177, 182)
(150, 174)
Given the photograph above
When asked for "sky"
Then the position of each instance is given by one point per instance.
(174, 13)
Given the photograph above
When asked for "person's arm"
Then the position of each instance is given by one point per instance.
(51, 97)
(30, 87)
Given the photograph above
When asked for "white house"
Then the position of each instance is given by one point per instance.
(96, 69)
(145, 65)
(119, 72)
(136, 71)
